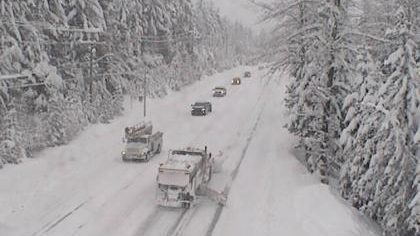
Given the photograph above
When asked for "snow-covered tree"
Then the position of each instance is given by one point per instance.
(362, 121)
(56, 121)
(319, 52)
(11, 145)
(399, 96)
(75, 60)
(379, 142)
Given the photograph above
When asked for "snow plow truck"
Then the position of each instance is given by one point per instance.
(184, 176)
(141, 142)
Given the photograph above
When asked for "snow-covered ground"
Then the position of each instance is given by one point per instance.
(84, 188)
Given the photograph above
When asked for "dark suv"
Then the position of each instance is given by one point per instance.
(200, 108)
(219, 92)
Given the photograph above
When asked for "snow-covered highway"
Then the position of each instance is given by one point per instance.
(84, 188)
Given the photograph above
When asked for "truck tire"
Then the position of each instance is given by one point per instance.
(147, 157)
(186, 205)
(158, 150)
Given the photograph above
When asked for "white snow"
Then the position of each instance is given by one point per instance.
(273, 193)
(171, 177)
(180, 162)
(84, 188)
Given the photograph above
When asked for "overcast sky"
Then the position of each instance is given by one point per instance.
(238, 10)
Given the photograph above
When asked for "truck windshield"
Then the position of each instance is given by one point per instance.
(137, 140)
(200, 104)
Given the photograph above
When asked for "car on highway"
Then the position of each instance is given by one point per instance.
(201, 108)
(219, 92)
(236, 81)
(247, 74)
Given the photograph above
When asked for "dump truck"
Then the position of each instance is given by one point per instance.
(184, 176)
(141, 142)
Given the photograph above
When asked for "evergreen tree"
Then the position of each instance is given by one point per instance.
(56, 121)
(362, 121)
(319, 53)
(79, 58)
(379, 140)
(11, 136)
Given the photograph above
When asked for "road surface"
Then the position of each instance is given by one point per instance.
(84, 188)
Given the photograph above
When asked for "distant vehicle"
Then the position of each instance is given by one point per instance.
(219, 92)
(141, 143)
(201, 108)
(247, 74)
(236, 81)
(183, 176)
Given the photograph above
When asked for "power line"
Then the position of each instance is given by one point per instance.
(185, 36)
(169, 40)
(27, 85)
(151, 38)
(13, 76)
(57, 43)
(50, 27)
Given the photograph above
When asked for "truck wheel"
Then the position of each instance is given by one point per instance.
(186, 205)
(147, 157)
(158, 149)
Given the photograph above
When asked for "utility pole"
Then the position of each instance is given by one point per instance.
(91, 48)
(226, 44)
(145, 92)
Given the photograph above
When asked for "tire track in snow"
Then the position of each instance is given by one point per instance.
(150, 221)
(235, 172)
(180, 229)
(178, 222)
(133, 181)
(49, 226)
(182, 221)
